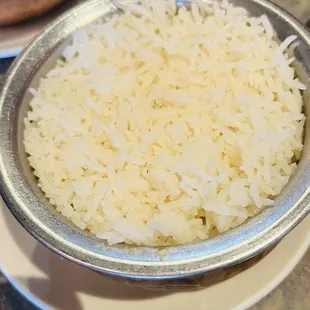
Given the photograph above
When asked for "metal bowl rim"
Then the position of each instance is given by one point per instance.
(236, 253)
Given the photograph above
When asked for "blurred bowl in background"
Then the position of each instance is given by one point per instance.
(15, 37)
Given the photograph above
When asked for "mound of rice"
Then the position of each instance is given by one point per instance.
(162, 125)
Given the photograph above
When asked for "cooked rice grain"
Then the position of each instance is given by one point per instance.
(158, 126)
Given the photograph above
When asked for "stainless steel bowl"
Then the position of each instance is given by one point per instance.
(26, 201)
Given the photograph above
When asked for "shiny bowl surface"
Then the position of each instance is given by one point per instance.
(28, 204)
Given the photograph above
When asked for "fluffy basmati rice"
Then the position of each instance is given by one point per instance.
(161, 125)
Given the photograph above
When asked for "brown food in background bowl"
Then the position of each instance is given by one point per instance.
(15, 11)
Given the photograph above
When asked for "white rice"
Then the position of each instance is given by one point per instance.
(162, 125)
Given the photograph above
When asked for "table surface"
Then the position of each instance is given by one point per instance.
(292, 294)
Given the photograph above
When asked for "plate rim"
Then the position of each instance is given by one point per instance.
(292, 263)
(247, 303)
(10, 52)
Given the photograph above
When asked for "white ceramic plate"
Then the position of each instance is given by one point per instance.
(14, 38)
(53, 283)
